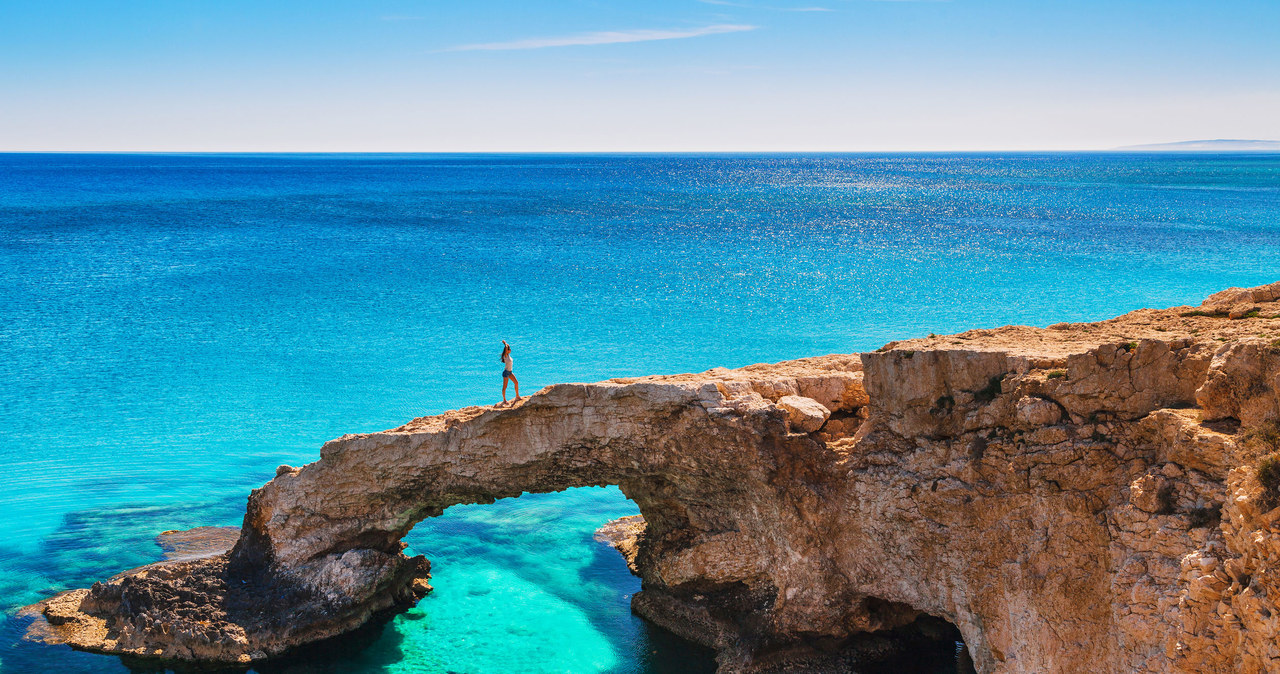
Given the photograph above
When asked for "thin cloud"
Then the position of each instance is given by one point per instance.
(604, 37)
(727, 3)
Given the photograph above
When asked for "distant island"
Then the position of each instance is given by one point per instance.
(1219, 145)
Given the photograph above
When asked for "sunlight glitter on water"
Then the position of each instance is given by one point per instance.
(174, 327)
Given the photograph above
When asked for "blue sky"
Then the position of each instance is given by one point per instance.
(659, 75)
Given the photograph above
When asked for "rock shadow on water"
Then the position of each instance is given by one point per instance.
(655, 650)
(661, 652)
(929, 645)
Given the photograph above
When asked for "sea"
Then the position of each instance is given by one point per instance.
(173, 327)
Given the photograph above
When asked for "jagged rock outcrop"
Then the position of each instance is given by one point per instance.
(1084, 493)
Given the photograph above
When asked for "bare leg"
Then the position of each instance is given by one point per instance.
(504, 387)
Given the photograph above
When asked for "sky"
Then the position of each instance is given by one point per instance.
(647, 75)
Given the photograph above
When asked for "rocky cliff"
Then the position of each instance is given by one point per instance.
(1081, 493)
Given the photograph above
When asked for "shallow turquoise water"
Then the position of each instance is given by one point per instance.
(174, 327)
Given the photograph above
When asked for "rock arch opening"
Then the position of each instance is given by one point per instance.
(531, 572)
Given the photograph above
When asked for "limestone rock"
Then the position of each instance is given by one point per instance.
(1243, 383)
(198, 543)
(806, 414)
(624, 535)
(1152, 494)
(1038, 411)
(1231, 297)
(1243, 310)
(1081, 496)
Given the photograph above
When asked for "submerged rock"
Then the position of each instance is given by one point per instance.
(190, 544)
(1082, 494)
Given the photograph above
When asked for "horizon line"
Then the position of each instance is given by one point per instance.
(1111, 150)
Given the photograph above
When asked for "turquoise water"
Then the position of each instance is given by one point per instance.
(173, 327)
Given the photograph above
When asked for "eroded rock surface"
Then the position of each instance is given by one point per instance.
(1083, 493)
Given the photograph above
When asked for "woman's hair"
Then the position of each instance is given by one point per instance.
(505, 349)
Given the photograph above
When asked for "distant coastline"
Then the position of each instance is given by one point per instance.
(1218, 145)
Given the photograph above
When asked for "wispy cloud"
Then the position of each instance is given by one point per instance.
(604, 37)
(728, 3)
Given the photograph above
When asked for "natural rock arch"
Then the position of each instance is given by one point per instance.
(703, 460)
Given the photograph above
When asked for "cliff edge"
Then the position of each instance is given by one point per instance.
(1097, 493)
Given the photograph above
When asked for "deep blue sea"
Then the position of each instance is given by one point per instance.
(173, 327)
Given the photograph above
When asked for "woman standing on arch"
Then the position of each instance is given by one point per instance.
(507, 373)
